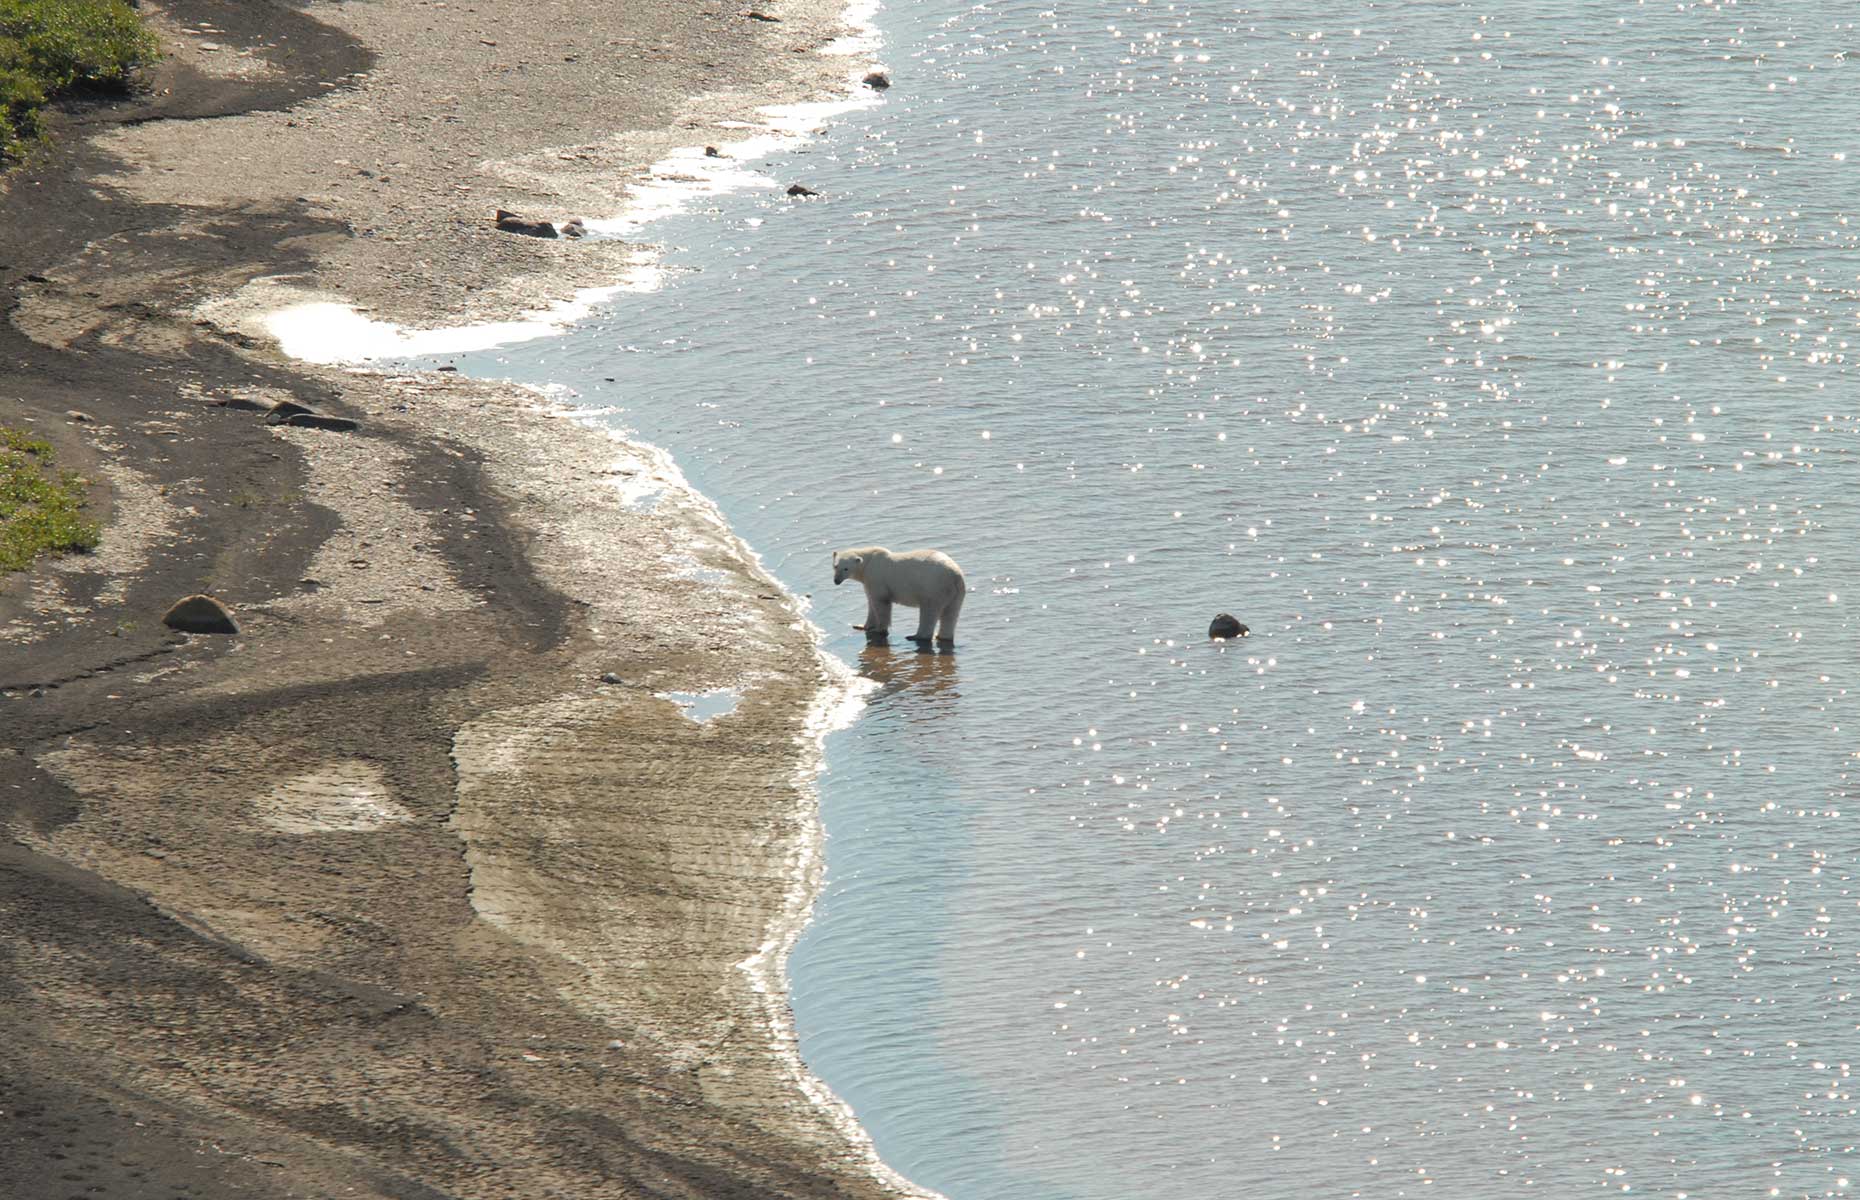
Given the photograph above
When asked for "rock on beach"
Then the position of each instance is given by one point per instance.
(284, 411)
(200, 614)
(511, 222)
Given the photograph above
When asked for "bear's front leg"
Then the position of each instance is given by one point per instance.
(877, 618)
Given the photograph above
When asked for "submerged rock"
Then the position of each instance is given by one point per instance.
(797, 189)
(574, 228)
(878, 81)
(200, 614)
(1226, 626)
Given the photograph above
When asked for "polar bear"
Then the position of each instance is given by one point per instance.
(926, 580)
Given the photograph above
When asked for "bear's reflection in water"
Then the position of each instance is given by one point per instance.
(915, 685)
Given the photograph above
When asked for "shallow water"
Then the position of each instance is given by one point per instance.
(1493, 366)
(705, 707)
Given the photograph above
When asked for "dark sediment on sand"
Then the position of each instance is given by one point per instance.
(387, 894)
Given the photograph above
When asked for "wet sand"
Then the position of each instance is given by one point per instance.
(415, 887)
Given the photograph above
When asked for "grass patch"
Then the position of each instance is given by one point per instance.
(41, 508)
(52, 48)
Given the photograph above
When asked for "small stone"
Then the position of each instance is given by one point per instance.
(610, 677)
(756, 15)
(200, 614)
(78, 416)
(1226, 626)
(878, 81)
(796, 189)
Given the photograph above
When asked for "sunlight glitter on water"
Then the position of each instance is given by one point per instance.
(1494, 369)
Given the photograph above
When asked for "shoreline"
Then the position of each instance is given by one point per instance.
(417, 886)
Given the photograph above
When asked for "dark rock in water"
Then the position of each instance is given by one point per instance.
(510, 222)
(318, 421)
(754, 15)
(796, 189)
(283, 411)
(200, 614)
(574, 229)
(713, 152)
(878, 81)
(447, 367)
(1225, 626)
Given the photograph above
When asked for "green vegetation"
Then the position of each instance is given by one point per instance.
(40, 509)
(50, 48)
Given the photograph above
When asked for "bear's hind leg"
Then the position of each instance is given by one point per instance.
(926, 625)
(946, 635)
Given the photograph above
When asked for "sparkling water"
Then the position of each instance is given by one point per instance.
(1492, 362)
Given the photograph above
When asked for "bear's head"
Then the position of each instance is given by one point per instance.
(847, 566)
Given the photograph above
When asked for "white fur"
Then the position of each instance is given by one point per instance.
(926, 580)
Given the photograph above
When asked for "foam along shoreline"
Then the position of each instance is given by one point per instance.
(833, 706)
(329, 331)
(704, 546)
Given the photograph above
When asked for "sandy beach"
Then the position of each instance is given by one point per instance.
(419, 885)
